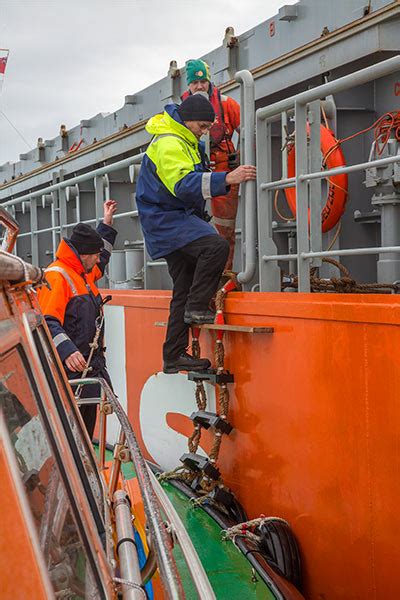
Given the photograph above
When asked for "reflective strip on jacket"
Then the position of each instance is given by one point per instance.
(72, 305)
(173, 186)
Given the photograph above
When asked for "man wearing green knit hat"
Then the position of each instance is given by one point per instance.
(223, 154)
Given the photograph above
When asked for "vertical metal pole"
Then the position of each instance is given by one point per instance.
(78, 204)
(126, 547)
(53, 224)
(34, 234)
(314, 119)
(103, 431)
(55, 218)
(292, 250)
(99, 197)
(270, 274)
(62, 202)
(248, 189)
(284, 132)
(303, 245)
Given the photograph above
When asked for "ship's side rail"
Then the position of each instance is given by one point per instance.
(308, 178)
(153, 497)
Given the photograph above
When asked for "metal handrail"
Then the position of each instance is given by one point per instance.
(290, 181)
(158, 533)
(126, 162)
(308, 237)
(248, 156)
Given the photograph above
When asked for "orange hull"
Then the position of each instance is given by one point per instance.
(317, 422)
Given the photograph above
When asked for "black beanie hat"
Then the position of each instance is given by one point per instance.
(86, 240)
(196, 108)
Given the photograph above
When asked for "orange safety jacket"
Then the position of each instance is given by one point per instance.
(73, 303)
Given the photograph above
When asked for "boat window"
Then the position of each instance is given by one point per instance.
(61, 535)
(67, 410)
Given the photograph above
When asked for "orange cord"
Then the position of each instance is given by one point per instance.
(382, 127)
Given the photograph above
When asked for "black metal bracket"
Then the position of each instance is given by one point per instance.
(208, 419)
(211, 376)
(196, 463)
(222, 495)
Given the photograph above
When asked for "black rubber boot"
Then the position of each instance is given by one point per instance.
(199, 317)
(186, 362)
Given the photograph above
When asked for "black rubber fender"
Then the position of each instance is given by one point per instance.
(279, 545)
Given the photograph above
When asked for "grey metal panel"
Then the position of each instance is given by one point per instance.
(107, 152)
(256, 47)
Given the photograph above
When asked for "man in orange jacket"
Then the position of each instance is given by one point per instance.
(223, 154)
(73, 304)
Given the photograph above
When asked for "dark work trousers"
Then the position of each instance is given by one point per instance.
(195, 270)
(89, 412)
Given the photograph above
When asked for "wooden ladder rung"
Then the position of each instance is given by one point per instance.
(227, 327)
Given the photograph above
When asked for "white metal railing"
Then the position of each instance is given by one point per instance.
(56, 193)
(309, 235)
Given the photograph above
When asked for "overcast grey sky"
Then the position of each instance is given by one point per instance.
(71, 59)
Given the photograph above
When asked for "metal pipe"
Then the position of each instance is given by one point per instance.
(78, 179)
(279, 184)
(302, 228)
(15, 269)
(345, 252)
(351, 251)
(288, 182)
(382, 162)
(103, 432)
(245, 78)
(386, 67)
(130, 213)
(126, 547)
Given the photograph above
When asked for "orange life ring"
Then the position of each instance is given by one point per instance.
(337, 191)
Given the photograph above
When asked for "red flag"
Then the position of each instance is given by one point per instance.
(3, 61)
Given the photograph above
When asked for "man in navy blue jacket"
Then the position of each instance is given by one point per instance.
(173, 186)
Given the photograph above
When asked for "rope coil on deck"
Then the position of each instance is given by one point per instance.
(341, 285)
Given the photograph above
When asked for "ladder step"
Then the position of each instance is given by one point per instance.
(195, 462)
(208, 419)
(222, 495)
(227, 327)
(237, 328)
(211, 376)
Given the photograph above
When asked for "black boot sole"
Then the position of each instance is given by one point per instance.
(203, 322)
(173, 370)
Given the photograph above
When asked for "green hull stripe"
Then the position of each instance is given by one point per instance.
(228, 570)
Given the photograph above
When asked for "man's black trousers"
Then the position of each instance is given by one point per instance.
(195, 270)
